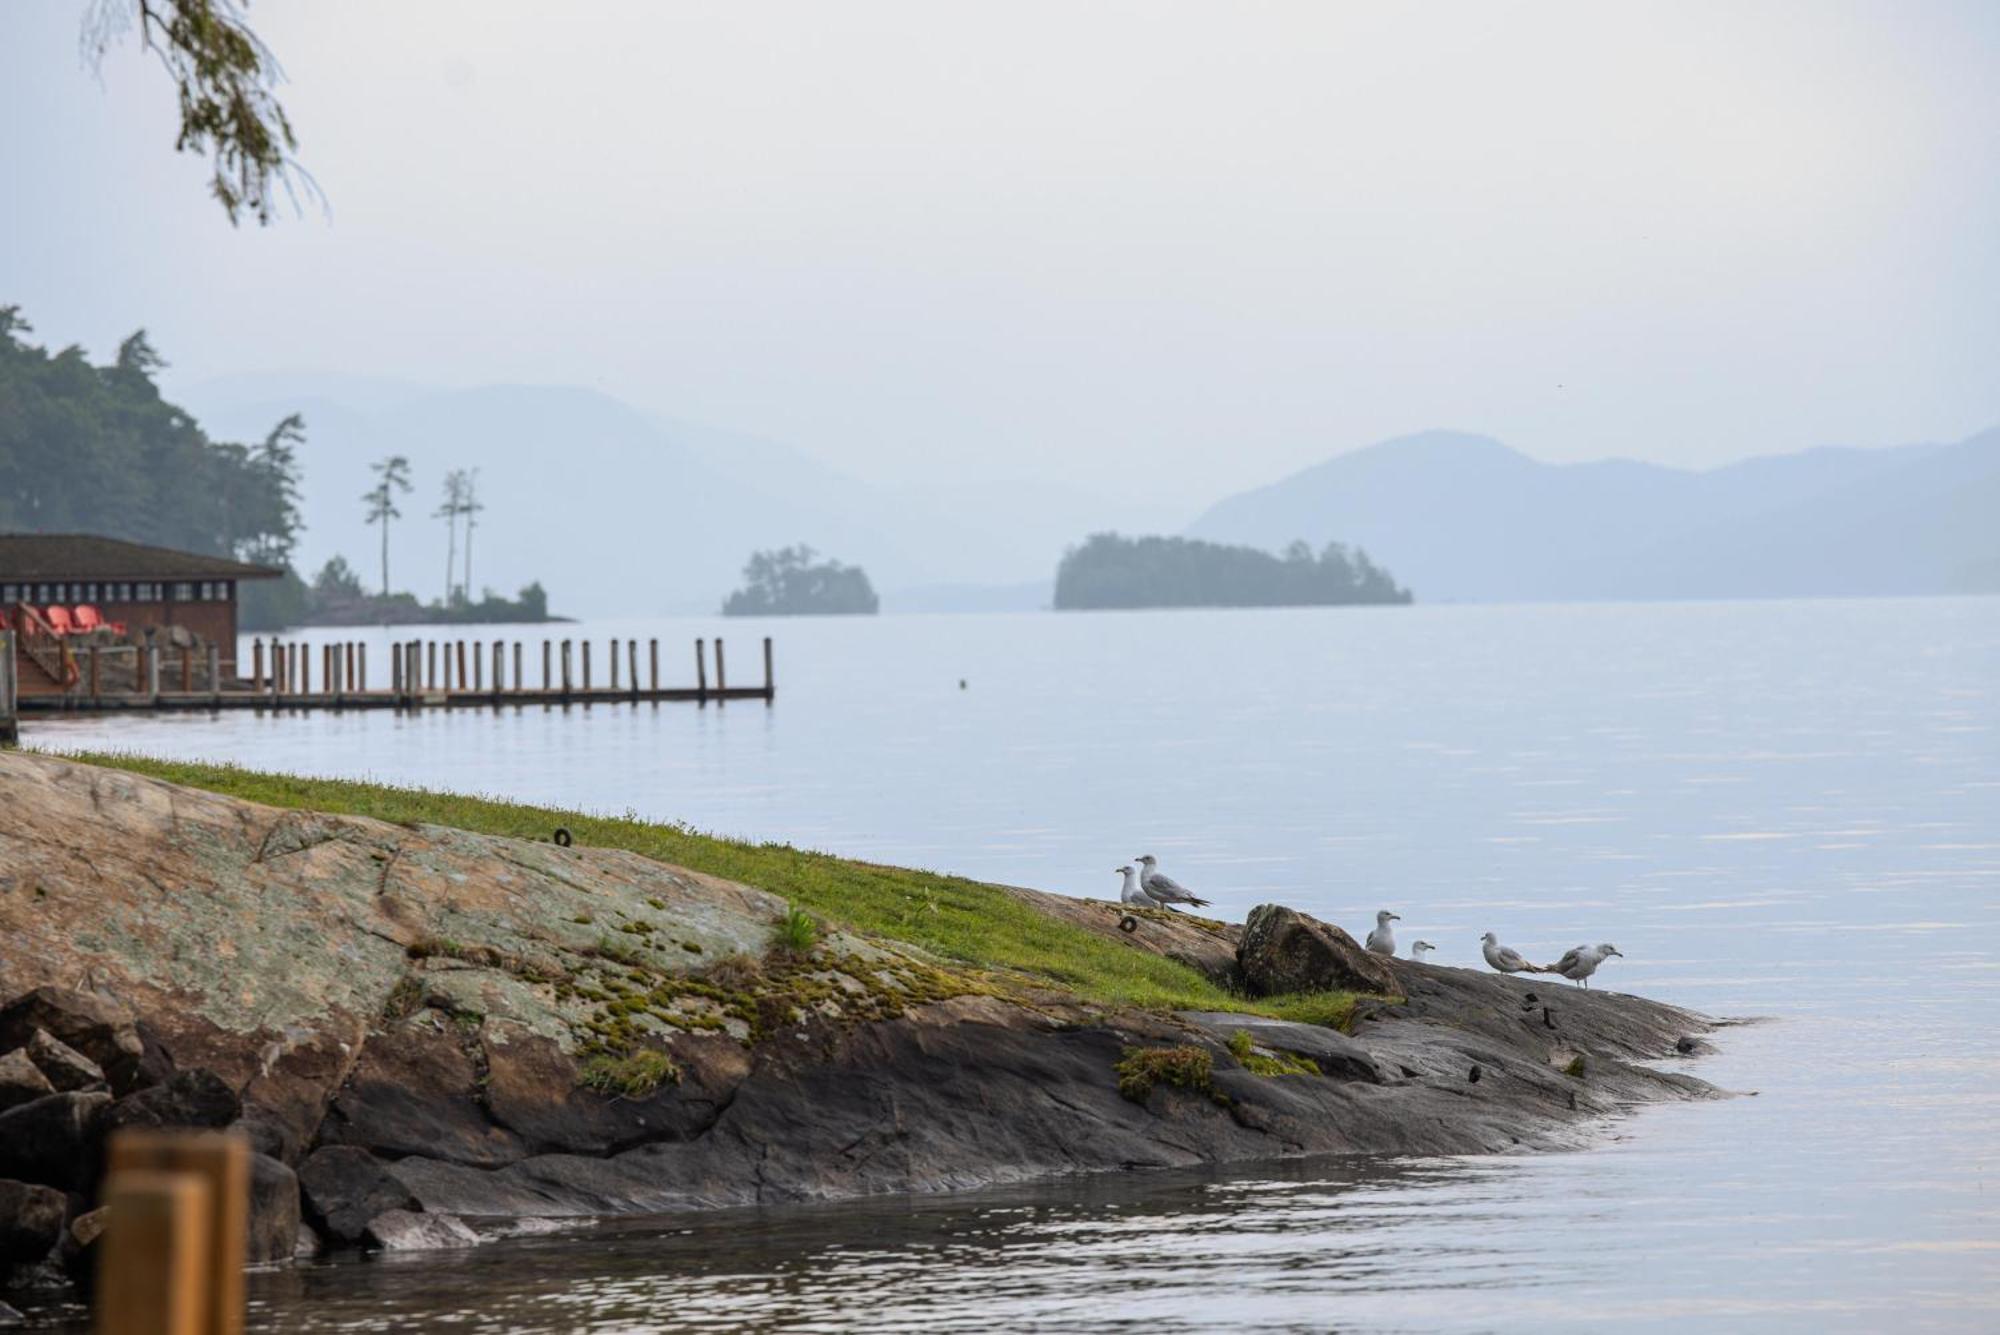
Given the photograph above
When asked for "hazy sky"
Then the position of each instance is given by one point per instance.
(1164, 250)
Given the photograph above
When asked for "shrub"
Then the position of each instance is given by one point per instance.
(1184, 1067)
(633, 1075)
(797, 933)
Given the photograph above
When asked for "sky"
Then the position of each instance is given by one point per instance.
(1160, 250)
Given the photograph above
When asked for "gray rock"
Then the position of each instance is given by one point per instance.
(31, 1220)
(55, 1140)
(306, 1245)
(191, 1098)
(1283, 951)
(344, 1187)
(21, 1081)
(274, 1210)
(101, 1030)
(407, 1231)
(66, 1068)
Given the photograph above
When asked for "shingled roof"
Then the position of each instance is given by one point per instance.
(69, 556)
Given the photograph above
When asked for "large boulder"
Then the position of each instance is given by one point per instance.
(274, 1210)
(192, 1098)
(101, 1030)
(21, 1081)
(31, 1220)
(55, 1140)
(1283, 951)
(344, 1187)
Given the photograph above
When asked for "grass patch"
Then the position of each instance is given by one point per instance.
(1185, 1067)
(632, 1075)
(1244, 1049)
(796, 933)
(954, 918)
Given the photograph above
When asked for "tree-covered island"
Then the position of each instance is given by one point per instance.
(1110, 571)
(789, 582)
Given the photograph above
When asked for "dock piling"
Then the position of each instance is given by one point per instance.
(701, 671)
(586, 665)
(565, 670)
(214, 672)
(632, 667)
(614, 662)
(770, 683)
(256, 665)
(653, 648)
(721, 676)
(518, 683)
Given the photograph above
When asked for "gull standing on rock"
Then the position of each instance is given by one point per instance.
(1382, 941)
(1132, 894)
(1505, 958)
(1421, 949)
(1164, 889)
(1577, 965)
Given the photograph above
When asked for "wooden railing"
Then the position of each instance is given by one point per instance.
(44, 647)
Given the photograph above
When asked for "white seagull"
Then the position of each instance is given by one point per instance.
(1577, 965)
(1382, 941)
(1421, 949)
(1132, 894)
(1164, 889)
(1505, 958)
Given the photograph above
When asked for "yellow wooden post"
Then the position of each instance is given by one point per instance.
(221, 1160)
(153, 1274)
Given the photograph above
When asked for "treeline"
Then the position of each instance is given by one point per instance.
(789, 582)
(336, 597)
(95, 449)
(1109, 571)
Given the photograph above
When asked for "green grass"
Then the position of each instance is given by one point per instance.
(632, 1075)
(796, 933)
(954, 918)
(1185, 1067)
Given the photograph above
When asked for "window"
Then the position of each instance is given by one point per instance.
(207, 592)
(183, 592)
(10, 593)
(227, 590)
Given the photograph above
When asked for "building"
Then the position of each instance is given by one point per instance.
(145, 588)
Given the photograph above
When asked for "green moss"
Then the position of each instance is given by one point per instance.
(1241, 1044)
(633, 1074)
(1184, 1067)
(1577, 1066)
(1279, 1063)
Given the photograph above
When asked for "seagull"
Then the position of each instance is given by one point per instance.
(1132, 894)
(1382, 941)
(1164, 889)
(1505, 958)
(1421, 949)
(1577, 965)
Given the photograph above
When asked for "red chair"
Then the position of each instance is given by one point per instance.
(58, 618)
(89, 618)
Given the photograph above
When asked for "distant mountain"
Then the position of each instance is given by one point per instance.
(1463, 517)
(620, 511)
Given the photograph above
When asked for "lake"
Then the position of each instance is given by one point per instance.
(1786, 810)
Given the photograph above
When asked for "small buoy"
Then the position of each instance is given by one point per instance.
(1128, 923)
(563, 839)
(961, 683)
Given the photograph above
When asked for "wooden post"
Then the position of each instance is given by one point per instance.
(10, 724)
(154, 1266)
(461, 664)
(153, 673)
(721, 675)
(430, 664)
(614, 662)
(305, 672)
(770, 686)
(586, 665)
(701, 671)
(256, 665)
(632, 667)
(361, 666)
(545, 665)
(565, 668)
(396, 670)
(214, 672)
(347, 669)
(220, 1162)
(518, 683)
(478, 668)
(653, 648)
(499, 666)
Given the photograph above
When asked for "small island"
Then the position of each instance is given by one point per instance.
(336, 597)
(1110, 571)
(788, 582)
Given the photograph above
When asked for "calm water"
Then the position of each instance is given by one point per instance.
(1788, 810)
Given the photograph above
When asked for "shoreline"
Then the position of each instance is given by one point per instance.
(424, 1024)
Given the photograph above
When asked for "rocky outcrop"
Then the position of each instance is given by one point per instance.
(1285, 951)
(422, 1029)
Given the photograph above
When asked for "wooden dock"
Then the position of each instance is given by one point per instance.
(290, 677)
